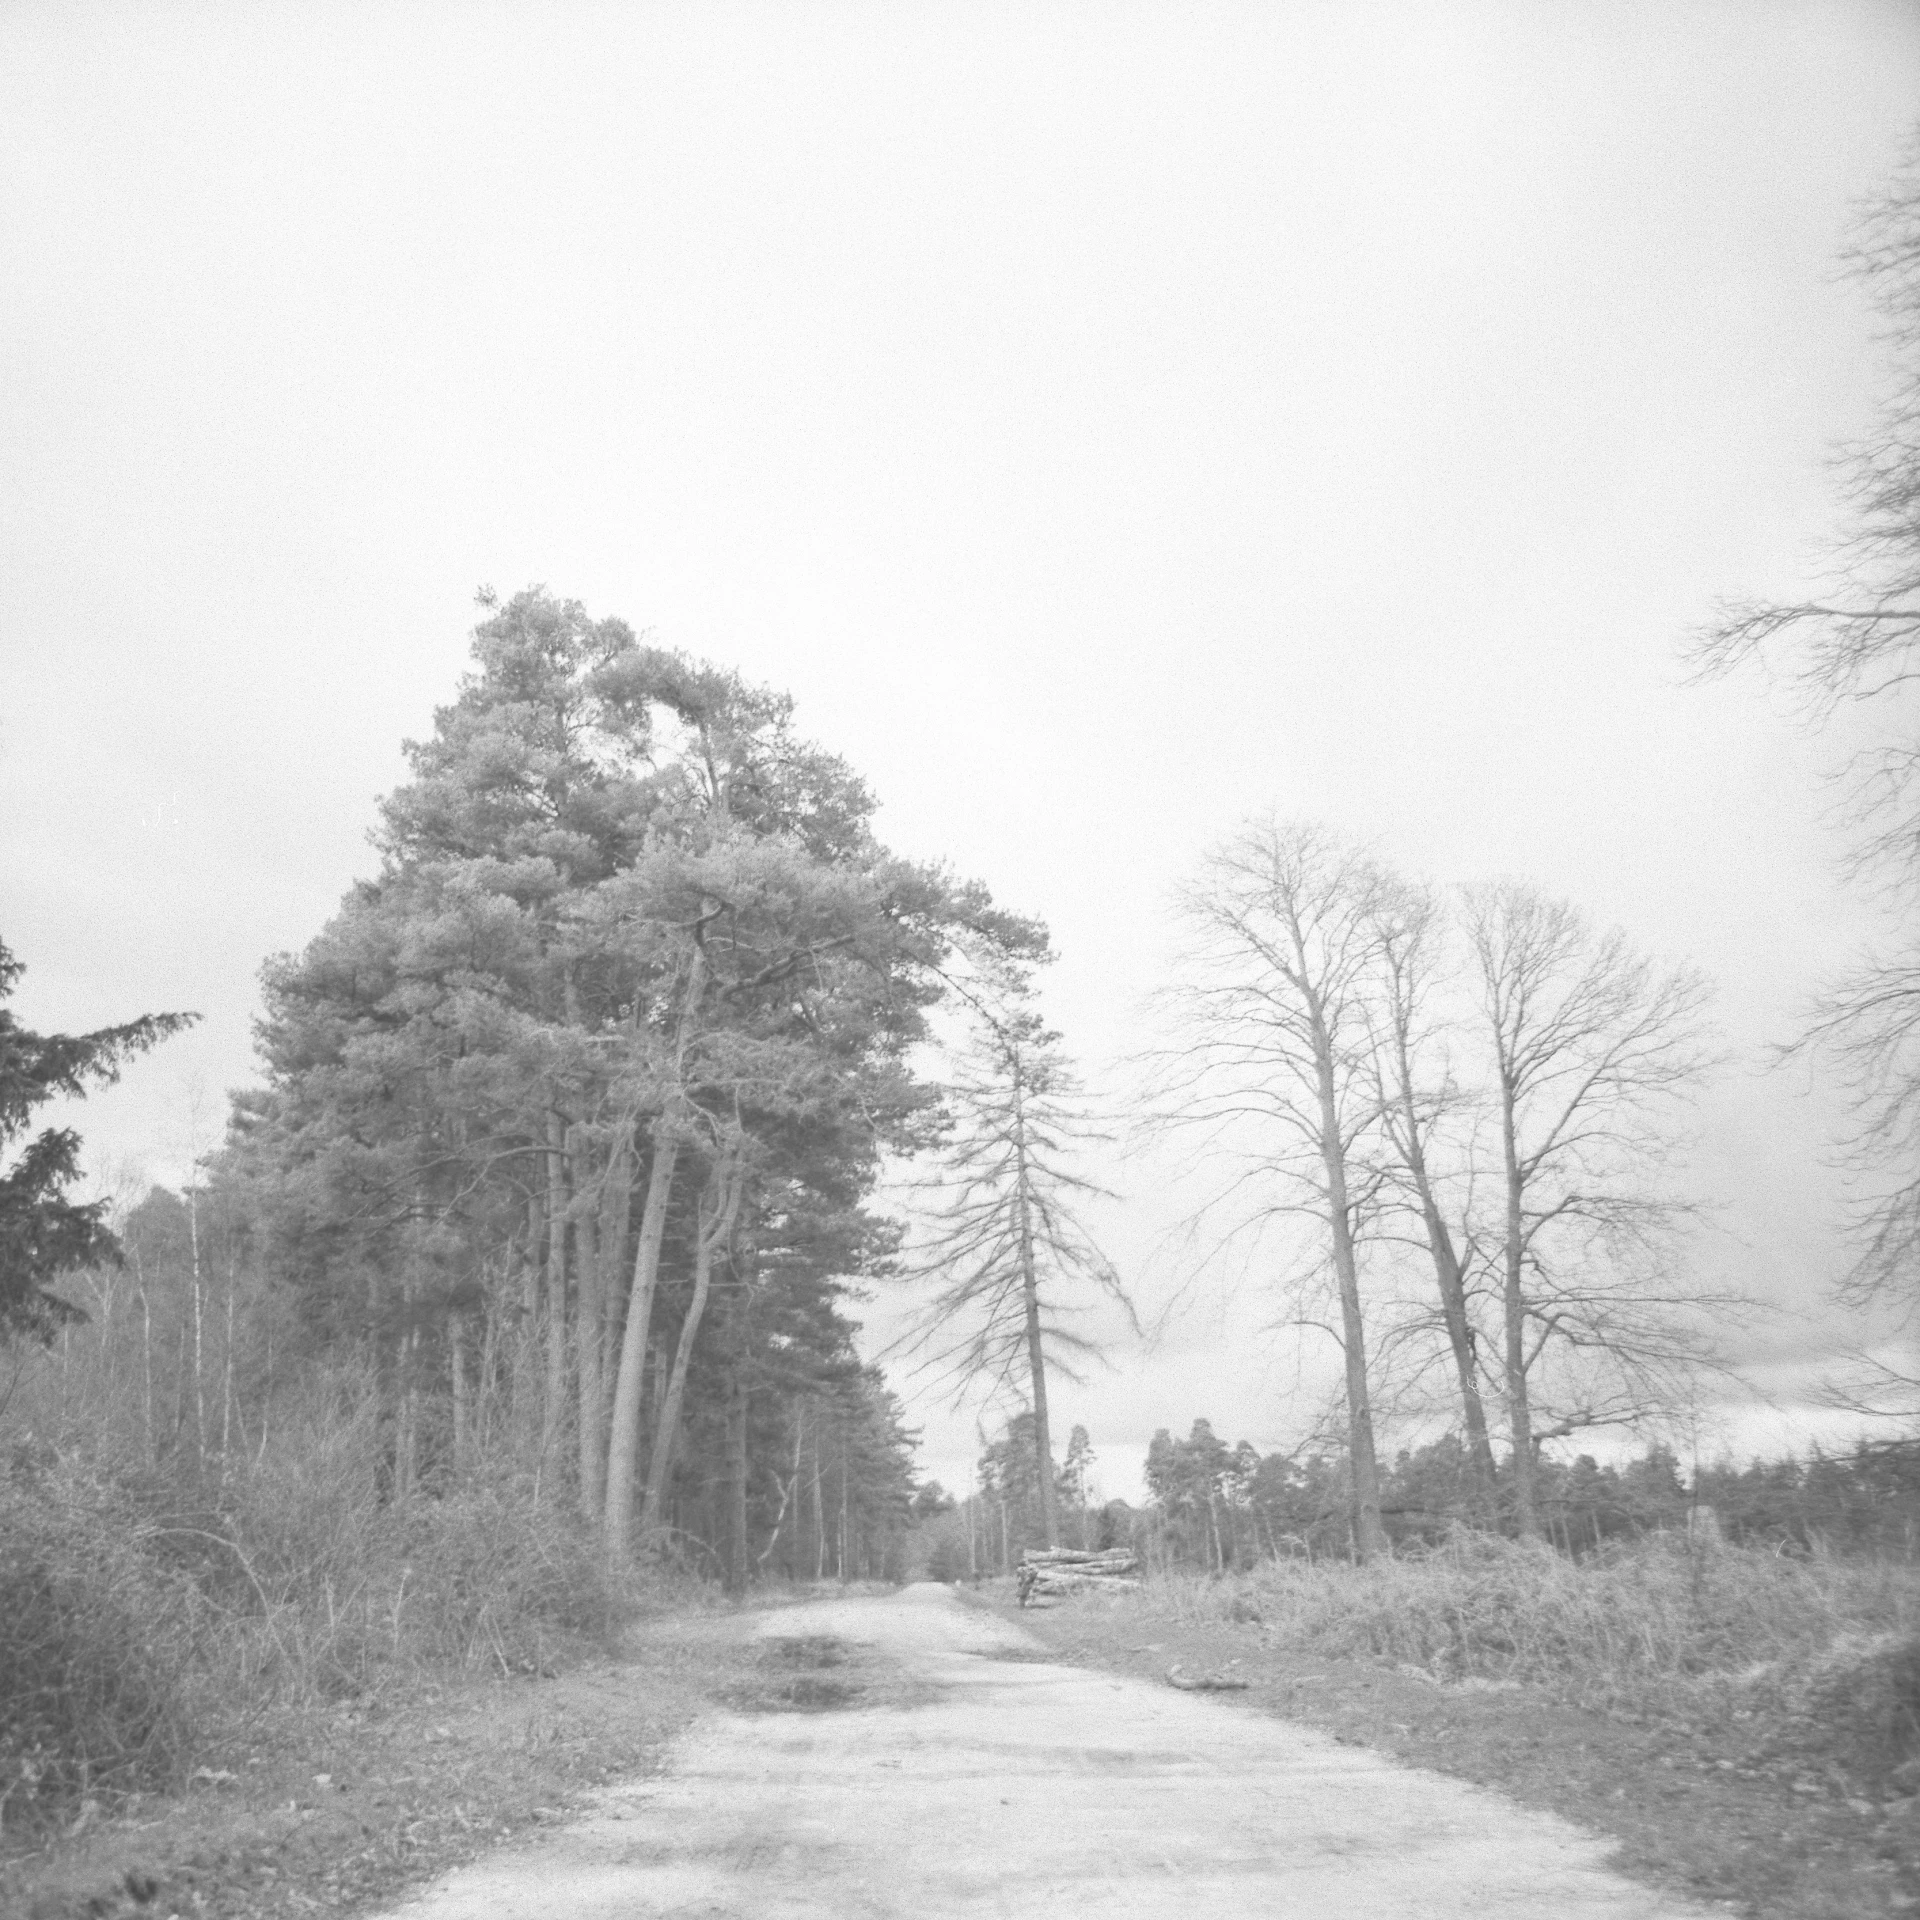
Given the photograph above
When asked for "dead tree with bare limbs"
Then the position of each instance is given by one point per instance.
(1001, 1237)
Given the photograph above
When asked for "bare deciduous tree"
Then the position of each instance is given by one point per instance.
(1415, 1096)
(1271, 1066)
(1592, 1048)
(1868, 1024)
(1858, 647)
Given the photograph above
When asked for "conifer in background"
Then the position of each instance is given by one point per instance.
(1003, 1241)
(43, 1234)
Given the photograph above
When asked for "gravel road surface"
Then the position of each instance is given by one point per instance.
(911, 1756)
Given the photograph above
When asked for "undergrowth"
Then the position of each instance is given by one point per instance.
(1816, 1653)
(147, 1630)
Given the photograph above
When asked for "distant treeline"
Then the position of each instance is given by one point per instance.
(1216, 1506)
(1225, 1506)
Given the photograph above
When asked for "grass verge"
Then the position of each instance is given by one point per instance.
(341, 1810)
(1742, 1730)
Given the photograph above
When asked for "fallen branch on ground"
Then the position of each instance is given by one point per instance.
(1205, 1682)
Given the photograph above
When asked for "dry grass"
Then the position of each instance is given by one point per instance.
(100, 1650)
(1816, 1652)
(147, 1630)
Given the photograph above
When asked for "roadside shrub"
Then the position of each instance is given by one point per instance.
(1650, 1612)
(151, 1623)
(496, 1578)
(1819, 1657)
(307, 1510)
(1862, 1704)
(479, 1572)
(99, 1647)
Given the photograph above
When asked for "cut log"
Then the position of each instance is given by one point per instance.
(1037, 1583)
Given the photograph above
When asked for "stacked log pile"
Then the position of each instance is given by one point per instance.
(1051, 1573)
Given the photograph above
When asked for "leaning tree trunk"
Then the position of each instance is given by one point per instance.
(719, 1204)
(1453, 1311)
(1449, 1274)
(623, 1445)
(1465, 1368)
(1450, 1278)
(616, 1219)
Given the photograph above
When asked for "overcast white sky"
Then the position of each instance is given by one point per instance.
(1106, 420)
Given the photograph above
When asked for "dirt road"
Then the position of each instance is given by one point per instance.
(911, 1756)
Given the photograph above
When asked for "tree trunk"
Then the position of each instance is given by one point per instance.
(199, 1377)
(180, 1422)
(656, 1390)
(846, 1503)
(1451, 1280)
(623, 1447)
(719, 1203)
(526, 1348)
(738, 1405)
(1526, 1517)
(486, 1384)
(226, 1378)
(1460, 1338)
(590, 1420)
(533, 1257)
(553, 1412)
(1462, 1341)
(1030, 1287)
(462, 1412)
(404, 1454)
(616, 1221)
(624, 1441)
(266, 1400)
(789, 1498)
(146, 1354)
(819, 1512)
(1369, 1533)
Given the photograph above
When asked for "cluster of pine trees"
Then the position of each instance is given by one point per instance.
(573, 1112)
(571, 1116)
(1013, 1506)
